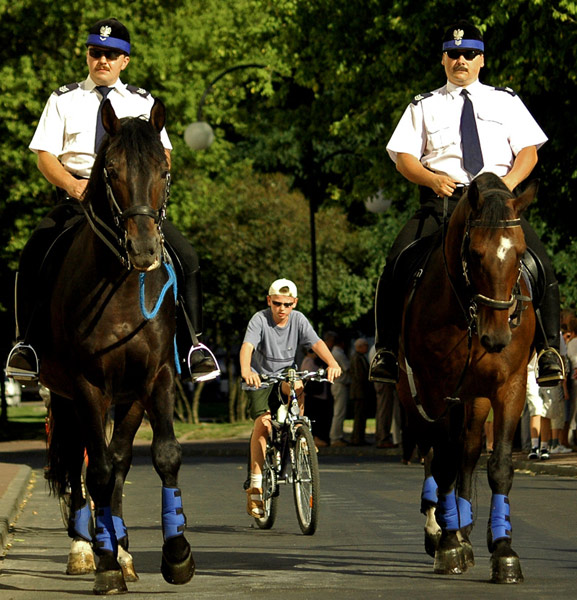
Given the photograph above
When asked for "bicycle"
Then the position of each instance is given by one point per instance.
(291, 455)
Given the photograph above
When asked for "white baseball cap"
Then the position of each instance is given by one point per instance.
(283, 287)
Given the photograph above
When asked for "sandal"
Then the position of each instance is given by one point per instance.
(254, 503)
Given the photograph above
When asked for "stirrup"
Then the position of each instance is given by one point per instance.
(392, 375)
(206, 376)
(555, 378)
(18, 373)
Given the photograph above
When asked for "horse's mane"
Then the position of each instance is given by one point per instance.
(138, 141)
(493, 208)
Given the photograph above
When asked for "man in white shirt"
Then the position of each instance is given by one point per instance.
(66, 141)
(428, 149)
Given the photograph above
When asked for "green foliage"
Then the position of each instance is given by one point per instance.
(338, 75)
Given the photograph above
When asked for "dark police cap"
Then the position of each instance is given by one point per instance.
(463, 36)
(109, 33)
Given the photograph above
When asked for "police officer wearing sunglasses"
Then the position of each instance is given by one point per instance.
(66, 141)
(427, 149)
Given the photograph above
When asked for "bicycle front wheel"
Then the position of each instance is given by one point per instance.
(269, 489)
(306, 485)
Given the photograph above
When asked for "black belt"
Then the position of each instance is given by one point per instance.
(426, 194)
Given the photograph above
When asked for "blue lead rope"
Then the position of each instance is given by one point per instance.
(171, 282)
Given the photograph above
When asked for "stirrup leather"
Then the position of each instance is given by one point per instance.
(555, 378)
(207, 376)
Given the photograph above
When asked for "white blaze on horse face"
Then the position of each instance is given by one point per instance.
(504, 246)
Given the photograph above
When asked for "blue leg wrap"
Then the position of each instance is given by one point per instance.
(173, 519)
(500, 517)
(119, 527)
(429, 492)
(447, 513)
(82, 522)
(465, 512)
(105, 535)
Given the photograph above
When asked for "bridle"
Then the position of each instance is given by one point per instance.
(115, 238)
(474, 297)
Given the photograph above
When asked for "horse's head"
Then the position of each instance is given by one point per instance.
(132, 167)
(491, 252)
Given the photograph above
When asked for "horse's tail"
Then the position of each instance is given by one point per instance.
(65, 446)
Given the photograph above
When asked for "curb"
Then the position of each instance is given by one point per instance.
(11, 499)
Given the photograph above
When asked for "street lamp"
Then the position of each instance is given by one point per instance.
(200, 136)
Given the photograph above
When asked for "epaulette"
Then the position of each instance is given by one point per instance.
(138, 90)
(64, 89)
(506, 89)
(420, 97)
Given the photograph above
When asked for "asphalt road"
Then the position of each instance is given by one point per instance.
(369, 543)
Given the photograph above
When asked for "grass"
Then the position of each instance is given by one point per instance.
(27, 422)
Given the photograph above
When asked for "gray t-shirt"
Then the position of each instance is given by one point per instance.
(275, 347)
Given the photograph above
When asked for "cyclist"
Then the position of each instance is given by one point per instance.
(270, 344)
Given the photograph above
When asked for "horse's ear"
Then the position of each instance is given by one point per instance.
(110, 121)
(473, 195)
(158, 115)
(523, 201)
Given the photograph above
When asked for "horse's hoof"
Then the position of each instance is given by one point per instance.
(109, 582)
(80, 558)
(468, 553)
(450, 561)
(432, 542)
(506, 569)
(177, 573)
(127, 565)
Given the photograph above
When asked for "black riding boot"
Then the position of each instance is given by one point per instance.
(197, 358)
(384, 366)
(551, 370)
(39, 264)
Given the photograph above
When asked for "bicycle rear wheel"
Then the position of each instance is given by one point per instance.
(306, 485)
(269, 488)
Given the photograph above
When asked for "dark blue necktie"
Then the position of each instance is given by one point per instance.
(472, 155)
(104, 91)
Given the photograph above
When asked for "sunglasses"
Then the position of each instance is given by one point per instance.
(110, 54)
(468, 54)
(285, 304)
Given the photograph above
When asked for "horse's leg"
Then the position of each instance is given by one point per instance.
(177, 562)
(92, 407)
(429, 505)
(80, 524)
(127, 419)
(476, 416)
(64, 472)
(505, 564)
(449, 557)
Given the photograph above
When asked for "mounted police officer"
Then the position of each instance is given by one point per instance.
(66, 141)
(443, 141)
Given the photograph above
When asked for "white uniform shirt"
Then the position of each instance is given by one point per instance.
(430, 129)
(67, 127)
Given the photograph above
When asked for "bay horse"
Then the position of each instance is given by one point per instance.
(107, 349)
(467, 337)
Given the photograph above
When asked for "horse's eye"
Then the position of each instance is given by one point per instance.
(112, 174)
(164, 175)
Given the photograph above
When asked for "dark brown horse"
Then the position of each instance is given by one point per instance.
(105, 350)
(468, 329)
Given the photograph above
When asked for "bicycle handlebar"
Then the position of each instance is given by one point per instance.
(290, 376)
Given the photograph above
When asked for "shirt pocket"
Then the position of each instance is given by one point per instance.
(440, 134)
(79, 133)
